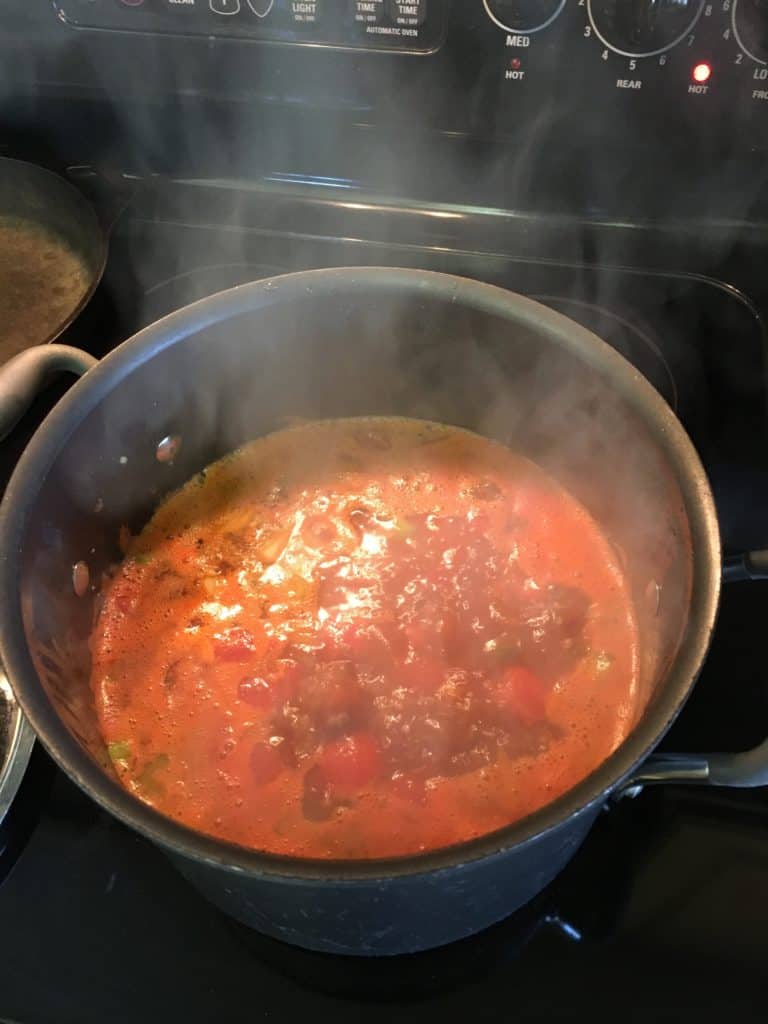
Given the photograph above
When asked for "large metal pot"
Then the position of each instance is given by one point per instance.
(342, 343)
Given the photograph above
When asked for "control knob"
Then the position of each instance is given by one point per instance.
(523, 16)
(750, 27)
(643, 28)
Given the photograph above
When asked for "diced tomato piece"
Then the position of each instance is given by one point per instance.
(234, 645)
(266, 763)
(522, 694)
(257, 692)
(350, 762)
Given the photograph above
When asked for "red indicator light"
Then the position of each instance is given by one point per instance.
(701, 73)
(515, 63)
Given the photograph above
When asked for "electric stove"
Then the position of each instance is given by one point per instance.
(221, 144)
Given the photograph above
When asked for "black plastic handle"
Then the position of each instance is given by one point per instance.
(22, 378)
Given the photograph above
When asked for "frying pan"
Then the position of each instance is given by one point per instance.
(346, 342)
(33, 195)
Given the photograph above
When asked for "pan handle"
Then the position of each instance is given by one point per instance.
(745, 770)
(23, 377)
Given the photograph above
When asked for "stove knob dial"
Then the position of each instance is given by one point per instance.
(523, 16)
(643, 28)
(750, 27)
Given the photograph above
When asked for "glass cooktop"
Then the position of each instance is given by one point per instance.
(662, 913)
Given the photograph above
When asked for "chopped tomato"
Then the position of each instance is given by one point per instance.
(350, 762)
(522, 694)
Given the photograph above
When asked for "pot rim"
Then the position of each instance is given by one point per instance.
(87, 393)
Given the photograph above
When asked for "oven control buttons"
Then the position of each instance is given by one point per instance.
(523, 16)
(408, 12)
(225, 6)
(643, 28)
(261, 8)
(749, 19)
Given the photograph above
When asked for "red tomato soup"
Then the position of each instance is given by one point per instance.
(364, 638)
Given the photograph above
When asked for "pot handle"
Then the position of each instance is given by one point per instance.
(753, 565)
(24, 376)
(744, 770)
(739, 771)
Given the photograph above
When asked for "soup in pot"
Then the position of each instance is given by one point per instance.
(364, 638)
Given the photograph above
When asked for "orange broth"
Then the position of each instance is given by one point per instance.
(364, 638)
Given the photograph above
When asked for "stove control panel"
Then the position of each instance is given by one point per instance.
(695, 58)
(410, 26)
(486, 67)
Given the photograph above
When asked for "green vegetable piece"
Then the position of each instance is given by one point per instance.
(404, 529)
(147, 780)
(120, 751)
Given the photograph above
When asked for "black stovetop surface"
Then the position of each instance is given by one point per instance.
(661, 915)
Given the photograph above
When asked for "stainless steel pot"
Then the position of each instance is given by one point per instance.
(342, 343)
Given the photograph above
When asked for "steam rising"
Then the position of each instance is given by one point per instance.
(400, 351)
